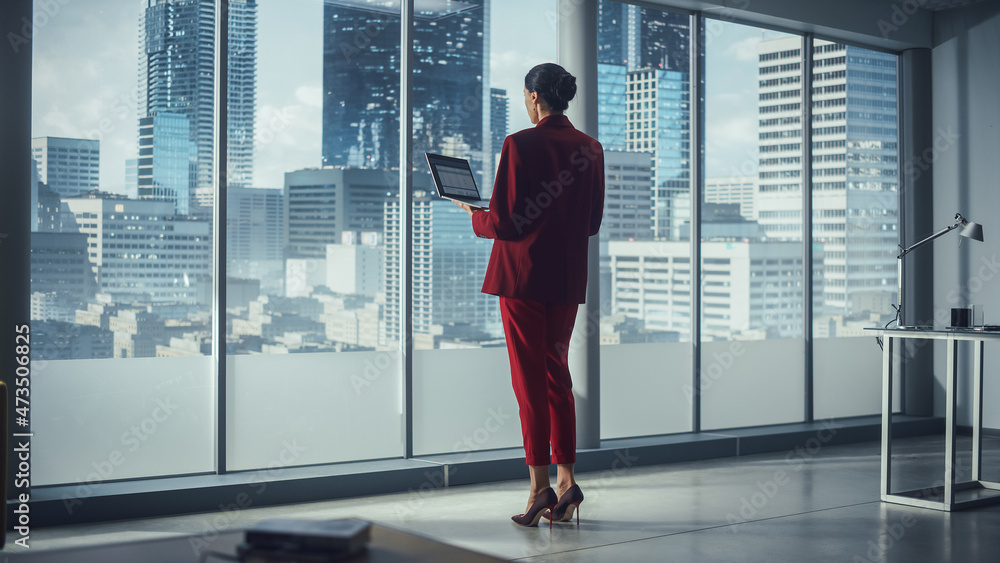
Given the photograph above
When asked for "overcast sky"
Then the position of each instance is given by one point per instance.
(86, 74)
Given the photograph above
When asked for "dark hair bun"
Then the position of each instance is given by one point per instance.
(553, 83)
(565, 87)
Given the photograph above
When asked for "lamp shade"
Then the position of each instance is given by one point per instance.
(973, 231)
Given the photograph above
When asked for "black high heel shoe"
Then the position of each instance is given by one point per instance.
(546, 500)
(568, 503)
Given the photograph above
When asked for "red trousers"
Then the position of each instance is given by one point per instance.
(538, 337)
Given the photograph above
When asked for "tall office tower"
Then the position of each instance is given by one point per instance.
(613, 32)
(255, 230)
(242, 101)
(628, 196)
(322, 203)
(854, 163)
(651, 281)
(662, 41)
(643, 59)
(60, 267)
(498, 130)
(167, 153)
(733, 189)
(68, 166)
(449, 88)
(141, 250)
(448, 268)
(612, 106)
(659, 119)
(612, 68)
(639, 37)
(176, 75)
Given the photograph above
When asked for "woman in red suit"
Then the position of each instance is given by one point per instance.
(547, 202)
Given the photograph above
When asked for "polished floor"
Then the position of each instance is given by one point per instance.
(815, 503)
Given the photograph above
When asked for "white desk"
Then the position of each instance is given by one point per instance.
(956, 496)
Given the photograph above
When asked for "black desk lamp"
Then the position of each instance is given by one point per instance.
(969, 230)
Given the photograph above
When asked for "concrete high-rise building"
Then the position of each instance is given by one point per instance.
(659, 120)
(855, 162)
(47, 209)
(255, 220)
(60, 340)
(450, 90)
(741, 190)
(176, 75)
(69, 167)
(751, 289)
(167, 153)
(323, 203)
(356, 266)
(132, 178)
(60, 265)
(628, 196)
(448, 269)
(141, 250)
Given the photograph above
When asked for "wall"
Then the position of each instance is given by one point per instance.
(966, 173)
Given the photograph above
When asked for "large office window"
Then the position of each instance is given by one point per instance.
(124, 194)
(644, 124)
(121, 246)
(470, 59)
(312, 242)
(855, 221)
(751, 228)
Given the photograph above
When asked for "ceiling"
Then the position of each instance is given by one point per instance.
(938, 5)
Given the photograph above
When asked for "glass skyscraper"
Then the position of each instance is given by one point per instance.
(176, 75)
(361, 82)
(165, 155)
(643, 97)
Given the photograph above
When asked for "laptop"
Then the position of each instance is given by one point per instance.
(454, 180)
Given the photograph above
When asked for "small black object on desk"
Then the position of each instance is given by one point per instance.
(314, 541)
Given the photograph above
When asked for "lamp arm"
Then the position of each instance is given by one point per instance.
(928, 239)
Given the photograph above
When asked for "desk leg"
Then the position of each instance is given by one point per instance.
(949, 425)
(977, 409)
(887, 353)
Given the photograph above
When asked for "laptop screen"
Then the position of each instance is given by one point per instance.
(453, 177)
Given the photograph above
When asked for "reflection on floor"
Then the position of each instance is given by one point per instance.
(814, 503)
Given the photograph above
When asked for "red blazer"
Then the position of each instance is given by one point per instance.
(548, 199)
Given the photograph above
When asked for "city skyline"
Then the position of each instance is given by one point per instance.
(283, 299)
(93, 94)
